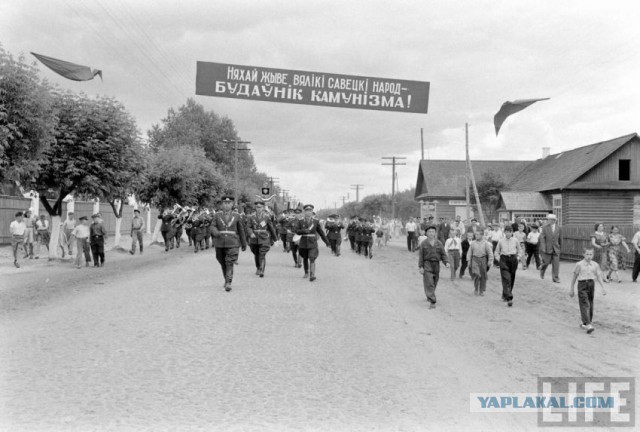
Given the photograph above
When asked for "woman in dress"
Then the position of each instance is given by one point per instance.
(600, 243)
(616, 259)
(521, 236)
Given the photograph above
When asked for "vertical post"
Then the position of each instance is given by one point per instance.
(473, 180)
(235, 174)
(393, 188)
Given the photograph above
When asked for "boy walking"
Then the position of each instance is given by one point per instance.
(465, 249)
(17, 228)
(586, 272)
(81, 233)
(507, 253)
(431, 253)
(137, 228)
(479, 256)
(98, 236)
(453, 247)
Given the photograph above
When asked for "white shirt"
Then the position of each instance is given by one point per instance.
(533, 237)
(636, 239)
(17, 228)
(410, 227)
(453, 244)
(42, 224)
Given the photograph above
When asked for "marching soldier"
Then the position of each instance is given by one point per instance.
(229, 235)
(292, 224)
(282, 230)
(367, 231)
(351, 232)
(334, 227)
(308, 228)
(261, 235)
(167, 229)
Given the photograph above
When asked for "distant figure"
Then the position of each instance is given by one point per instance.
(42, 234)
(81, 233)
(137, 229)
(98, 234)
(550, 247)
(616, 258)
(17, 228)
(586, 272)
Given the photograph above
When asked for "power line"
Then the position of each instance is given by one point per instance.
(393, 182)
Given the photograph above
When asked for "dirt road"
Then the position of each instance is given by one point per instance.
(154, 343)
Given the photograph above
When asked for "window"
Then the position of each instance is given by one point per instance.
(530, 217)
(557, 207)
(624, 169)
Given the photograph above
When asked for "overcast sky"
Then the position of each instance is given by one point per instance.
(584, 55)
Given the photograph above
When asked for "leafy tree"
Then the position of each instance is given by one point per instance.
(489, 187)
(27, 120)
(92, 155)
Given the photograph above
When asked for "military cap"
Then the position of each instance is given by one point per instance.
(83, 218)
(19, 214)
(308, 207)
(298, 211)
(226, 198)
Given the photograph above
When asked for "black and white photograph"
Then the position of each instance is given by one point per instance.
(319, 215)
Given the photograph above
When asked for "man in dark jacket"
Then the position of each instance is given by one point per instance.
(229, 236)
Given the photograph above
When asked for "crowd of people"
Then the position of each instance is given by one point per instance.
(509, 246)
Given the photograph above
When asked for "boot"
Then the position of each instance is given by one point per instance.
(141, 248)
(229, 277)
(263, 264)
(313, 272)
(299, 262)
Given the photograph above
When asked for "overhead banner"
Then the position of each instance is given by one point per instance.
(311, 88)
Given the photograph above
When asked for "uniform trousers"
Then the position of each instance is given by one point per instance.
(308, 256)
(97, 249)
(430, 279)
(227, 257)
(259, 252)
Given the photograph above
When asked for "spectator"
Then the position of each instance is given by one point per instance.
(81, 234)
(43, 236)
(411, 229)
(29, 235)
(616, 259)
(18, 229)
(453, 248)
(465, 248)
(137, 228)
(550, 247)
(531, 246)
(600, 244)
(635, 242)
(67, 226)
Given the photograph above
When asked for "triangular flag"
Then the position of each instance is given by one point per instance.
(68, 70)
(509, 108)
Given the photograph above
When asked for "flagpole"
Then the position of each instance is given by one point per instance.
(473, 180)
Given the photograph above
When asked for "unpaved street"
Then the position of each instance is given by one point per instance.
(154, 343)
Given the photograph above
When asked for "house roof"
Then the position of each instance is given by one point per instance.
(524, 201)
(447, 178)
(557, 171)
(610, 185)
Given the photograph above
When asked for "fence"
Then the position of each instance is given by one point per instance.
(576, 237)
(10, 205)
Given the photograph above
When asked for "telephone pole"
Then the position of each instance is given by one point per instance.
(344, 199)
(235, 167)
(357, 188)
(393, 181)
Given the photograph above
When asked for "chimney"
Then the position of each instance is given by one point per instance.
(546, 151)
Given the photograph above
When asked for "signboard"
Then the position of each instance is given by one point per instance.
(265, 191)
(311, 88)
(457, 203)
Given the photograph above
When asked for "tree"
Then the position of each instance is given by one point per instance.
(90, 156)
(27, 120)
(489, 187)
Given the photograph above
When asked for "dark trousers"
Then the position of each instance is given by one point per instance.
(532, 252)
(411, 241)
(308, 257)
(495, 245)
(430, 279)
(508, 267)
(352, 241)
(554, 260)
(16, 243)
(167, 236)
(259, 252)
(97, 249)
(463, 264)
(636, 268)
(283, 238)
(586, 289)
(364, 247)
(227, 257)
(335, 245)
(136, 237)
(294, 252)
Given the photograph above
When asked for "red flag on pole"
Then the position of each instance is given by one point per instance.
(68, 70)
(509, 108)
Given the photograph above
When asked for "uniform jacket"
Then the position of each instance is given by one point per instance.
(307, 229)
(333, 230)
(351, 228)
(228, 231)
(260, 229)
(550, 242)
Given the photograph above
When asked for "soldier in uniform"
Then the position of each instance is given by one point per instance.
(282, 223)
(334, 227)
(351, 232)
(292, 224)
(262, 235)
(367, 231)
(308, 228)
(229, 236)
(167, 229)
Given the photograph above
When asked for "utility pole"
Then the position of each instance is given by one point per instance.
(284, 195)
(235, 167)
(393, 182)
(422, 143)
(473, 180)
(357, 188)
(344, 198)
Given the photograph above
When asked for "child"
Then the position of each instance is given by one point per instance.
(379, 235)
(585, 272)
(452, 248)
(17, 228)
(465, 248)
(521, 236)
(81, 234)
(479, 256)
(532, 246)
(507, 253)
(431, 253)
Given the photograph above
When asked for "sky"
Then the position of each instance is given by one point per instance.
(583, 55)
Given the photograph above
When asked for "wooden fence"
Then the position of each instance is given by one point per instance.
(10, 205)
(576, 237)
